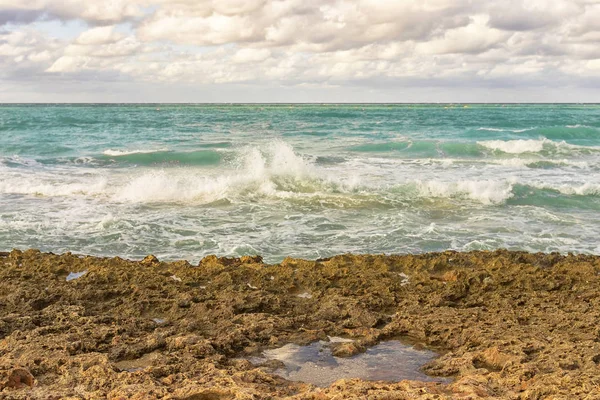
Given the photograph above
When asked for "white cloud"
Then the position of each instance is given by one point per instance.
(98, 36)
(376, 44)
(69, 64)
(251, 55)
(40, 56)
(474, 38)
(94, 11)
(520, 15)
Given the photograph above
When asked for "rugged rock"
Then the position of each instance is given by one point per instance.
(507, 325)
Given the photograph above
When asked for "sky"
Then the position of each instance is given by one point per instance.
(300, 51)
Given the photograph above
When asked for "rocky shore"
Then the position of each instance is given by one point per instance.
(507, 325)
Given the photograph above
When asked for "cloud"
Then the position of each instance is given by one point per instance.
(475, 38)
(92, 11)
(69, 64)
(98, 36)
(18, 16)
(519, 15)
(251, 55)
(377, 44)
(321, 26)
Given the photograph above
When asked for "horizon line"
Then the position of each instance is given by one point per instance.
(300, 103)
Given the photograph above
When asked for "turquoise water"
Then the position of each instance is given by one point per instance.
(184, 181)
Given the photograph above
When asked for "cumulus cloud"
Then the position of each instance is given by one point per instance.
(98, 36)
(315, 25)
(306, 43)
(93, 11)
(518, 15)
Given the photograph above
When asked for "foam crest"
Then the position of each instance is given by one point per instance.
(504, 130)
(483, 128)
(51, 186)
(543, 145)
(285, 161)
(585, 189)
(274, 170)
(118, 153)
(515, 146)
(486, 192)
(158, 186)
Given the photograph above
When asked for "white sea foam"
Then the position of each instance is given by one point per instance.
(51, 186)
(485, 192)
(265, 174)
(274, 170)
(490, 129)
(515, 146)
(521, 130)
(582, 189)
(504, 130)
(117, 153)
(521, 146)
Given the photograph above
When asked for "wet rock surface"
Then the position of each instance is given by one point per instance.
(507, 324)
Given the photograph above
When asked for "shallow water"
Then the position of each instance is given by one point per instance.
(75, 275)
(304, 181)
(390, 361)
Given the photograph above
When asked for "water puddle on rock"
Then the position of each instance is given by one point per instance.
(75, 275)
(391, 361)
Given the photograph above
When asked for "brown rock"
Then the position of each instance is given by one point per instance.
(19, 378)
(150, 260)
(346, 349)
(492, 359)
(508, 324)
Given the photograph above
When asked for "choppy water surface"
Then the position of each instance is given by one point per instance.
(183, 181)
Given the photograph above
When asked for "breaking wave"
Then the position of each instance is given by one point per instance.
(274, 172)
(505, 130)
(118, 153)
(515, 146)
(542, 146)
(143, 157)
(430, 148)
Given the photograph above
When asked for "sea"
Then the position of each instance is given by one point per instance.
(182, 181)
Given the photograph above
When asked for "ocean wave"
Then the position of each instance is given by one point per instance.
(277, 172)
(584, 196)
(119, 153)
(485, 191)
(568, 132)
(420, 148)
(543, 164)
(491, 129)
(382, 147)
(199, 157)
(575, 189)
(543, 146)
(506, 129)
(267, 174)
(273, 170)
(474, 150)
(51, 186)
(18, 161)
(514, 146)
(516, 162)
(572, 132)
